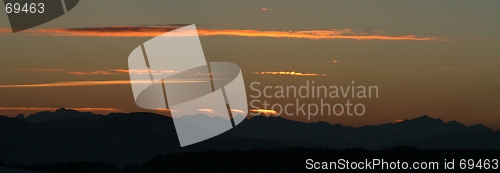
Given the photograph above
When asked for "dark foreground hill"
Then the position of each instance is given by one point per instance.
(294, 159)
(119, 138)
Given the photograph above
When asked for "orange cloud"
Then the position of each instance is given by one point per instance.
(97, 109)
(106, 72)
(5, 30)
(264, 111)
(237, 111)
(137, 71)
(42, 69)
(93, 83)
(165, 110)
(398, 120)
(291, 73)
(206, 110)
(99, 72)
(145, 71)
(153, 31)
(313, 35)
(72, 83)
(266, 9)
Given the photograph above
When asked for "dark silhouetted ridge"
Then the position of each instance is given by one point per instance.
(131, 138)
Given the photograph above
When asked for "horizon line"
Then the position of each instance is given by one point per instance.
(246, 117)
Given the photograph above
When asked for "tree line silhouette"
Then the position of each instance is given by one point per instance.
(263, 160)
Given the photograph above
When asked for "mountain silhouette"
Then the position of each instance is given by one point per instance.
(59, 114)
(131, 138)
(322, 134)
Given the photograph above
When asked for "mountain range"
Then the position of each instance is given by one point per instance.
(131, 138)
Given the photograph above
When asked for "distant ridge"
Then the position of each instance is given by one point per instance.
(120, 138)
(59, 114)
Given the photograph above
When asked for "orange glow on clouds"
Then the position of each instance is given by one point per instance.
(100, 72)
(165, 110)
(266, 9)
(5, 30)
(237, 111)
(264, 111)
(71, 83)
(313, 35)
(206, 110)
(291, 73)
(153, 31)
(123, 71)
(399, 120)
(42, 69)
(93, 83)
(109, 72)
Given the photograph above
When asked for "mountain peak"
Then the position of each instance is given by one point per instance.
(426, 118)
(480, 127)
(20, 116)
(65, 110)
(59, 114)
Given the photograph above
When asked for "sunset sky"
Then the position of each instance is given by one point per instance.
(439, 58)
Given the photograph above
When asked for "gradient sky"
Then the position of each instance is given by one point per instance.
(446, 66)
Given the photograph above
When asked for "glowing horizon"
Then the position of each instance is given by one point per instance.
(41, 109)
